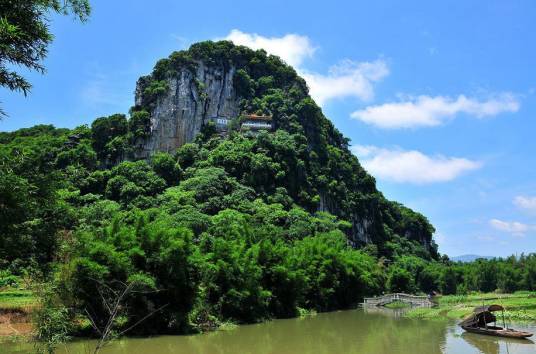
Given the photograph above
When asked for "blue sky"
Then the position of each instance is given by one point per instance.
(438, 99)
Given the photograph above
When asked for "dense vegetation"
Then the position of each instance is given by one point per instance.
(195, 240)
(223, 229)
(519, 306)
(412, 274)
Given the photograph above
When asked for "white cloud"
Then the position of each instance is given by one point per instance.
(346, 79)
(526, 203)
(292, 48)
(427, 111)
(512, 227)
(439, 238)
(412, 166)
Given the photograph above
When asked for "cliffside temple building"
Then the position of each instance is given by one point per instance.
(222, 123)
(255, 122)
(250, 122)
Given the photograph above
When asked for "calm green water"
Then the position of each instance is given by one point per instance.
(348, 332)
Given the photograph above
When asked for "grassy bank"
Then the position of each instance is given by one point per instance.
(520, 306)
(17, 299)
(15, 313)
(397, 305)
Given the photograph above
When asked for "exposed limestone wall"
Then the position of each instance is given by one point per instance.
(190, 101)
(361, 224)
(360, 229)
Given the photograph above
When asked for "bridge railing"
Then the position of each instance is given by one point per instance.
(388, 298)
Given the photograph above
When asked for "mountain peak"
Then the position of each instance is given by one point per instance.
(217, 91)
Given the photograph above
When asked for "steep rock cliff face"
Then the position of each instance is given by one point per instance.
(361, 224)
(191, 99)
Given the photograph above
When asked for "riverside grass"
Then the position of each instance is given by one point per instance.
(16, 306)
(397, 305)
(12, 299)
(519, 306)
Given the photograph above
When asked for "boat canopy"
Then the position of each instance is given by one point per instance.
(481, 316)
(490, 308)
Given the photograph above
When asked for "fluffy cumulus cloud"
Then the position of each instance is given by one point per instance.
(526, 203)
(413, 166)
(292, 48)
(512, 227)
(428, 111)
(357, 79)
(346, 79)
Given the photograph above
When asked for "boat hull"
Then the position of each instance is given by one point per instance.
(498, 332)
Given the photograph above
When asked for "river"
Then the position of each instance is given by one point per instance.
(377, 331)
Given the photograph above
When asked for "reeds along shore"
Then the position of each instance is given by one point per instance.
(519, 306)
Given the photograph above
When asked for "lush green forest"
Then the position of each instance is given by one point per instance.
(226, 228)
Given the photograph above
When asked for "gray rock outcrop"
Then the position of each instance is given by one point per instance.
(191, 100)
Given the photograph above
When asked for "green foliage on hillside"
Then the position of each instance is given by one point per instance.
(238, 268)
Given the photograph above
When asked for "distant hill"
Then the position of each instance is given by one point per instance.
(469, 258)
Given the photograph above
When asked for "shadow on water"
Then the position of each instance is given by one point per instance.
(379, 331)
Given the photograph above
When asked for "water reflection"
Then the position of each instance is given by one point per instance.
(349, 332)
(380, 310)
(493, 345)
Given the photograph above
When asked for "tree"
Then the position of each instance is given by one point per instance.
(400, 280)
(106, 130)
(25, 36)
(166, 167)
(449, 281)
(30, 211)
(130, 180)
(487, 275)
(139, 124)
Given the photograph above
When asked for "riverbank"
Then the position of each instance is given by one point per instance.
(520, 306)
(16, 307)
(16, 312)
(327, 332)
(397, 305)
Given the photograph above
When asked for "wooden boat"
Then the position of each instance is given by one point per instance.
(498, 332)
(478, 321)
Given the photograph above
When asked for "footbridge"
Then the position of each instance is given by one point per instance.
(422, 301)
